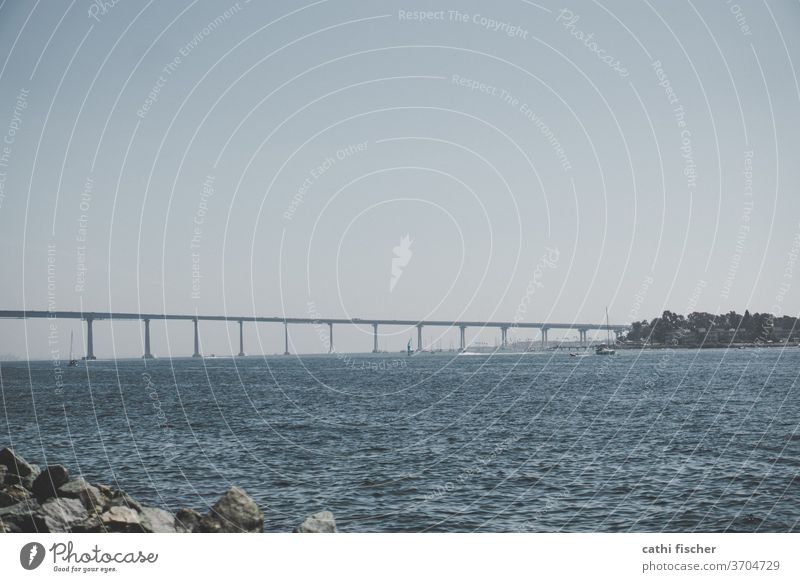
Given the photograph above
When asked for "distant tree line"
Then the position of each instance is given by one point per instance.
(697, 326)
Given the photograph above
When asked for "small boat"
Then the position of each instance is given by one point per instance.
(606, 350)
(408, 348)
(72, 361)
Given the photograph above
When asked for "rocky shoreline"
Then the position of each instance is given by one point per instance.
(50, 501)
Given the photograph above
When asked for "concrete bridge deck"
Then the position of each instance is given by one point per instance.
(90, 316)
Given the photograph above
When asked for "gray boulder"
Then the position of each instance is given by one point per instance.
(88, 494)
(121, 519)
(321, 522)
(48, 481)
(154, 520)
(27, 480)
(234, 512)
(122, 499)
(15, 464)
(13, 494)
(22, 518)
(93, 524)
(59, 515)
(105, 490)
(187, 520)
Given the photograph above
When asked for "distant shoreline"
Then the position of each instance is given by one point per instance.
(751, 345)
(397, 355)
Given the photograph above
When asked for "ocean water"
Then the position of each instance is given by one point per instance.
(672, 440)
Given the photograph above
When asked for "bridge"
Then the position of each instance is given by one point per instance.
(91, 316)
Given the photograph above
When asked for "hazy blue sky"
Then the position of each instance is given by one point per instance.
(650, 146)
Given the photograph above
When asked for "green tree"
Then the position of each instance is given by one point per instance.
(700, 320)
(746, 329)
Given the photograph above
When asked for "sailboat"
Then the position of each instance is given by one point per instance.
(408, 348)
(72, 361)
(606, 350)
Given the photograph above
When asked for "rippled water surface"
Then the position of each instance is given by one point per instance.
(662, 440)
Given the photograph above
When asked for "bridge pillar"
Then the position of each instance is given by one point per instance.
(544, 338)
(285, 338)
(504, 337)
(374, 338)
(463, 338)
(419, 338)
(147, 355)
(196, 353)
(89, 340)
(330, 338)
(241, 338)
